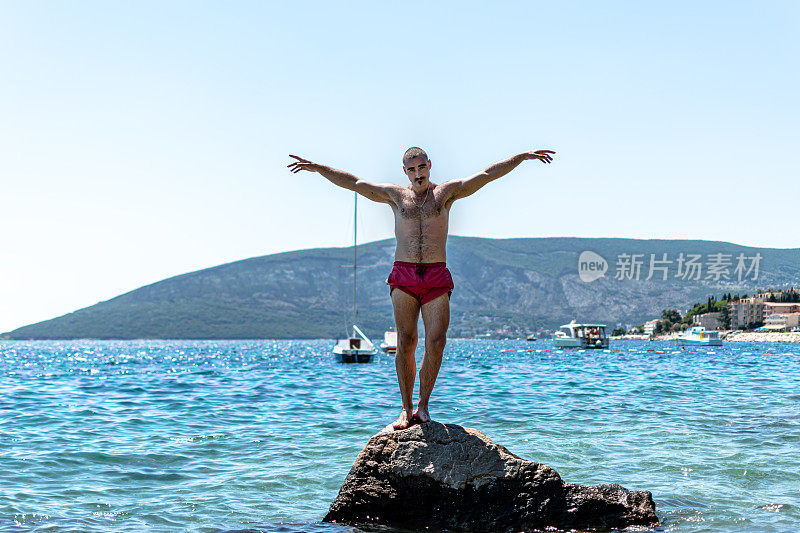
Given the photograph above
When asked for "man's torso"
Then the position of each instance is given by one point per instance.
(420, 225)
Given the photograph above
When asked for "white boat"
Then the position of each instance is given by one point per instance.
(389, 344)
(356, 348)
(698, 336)
(531, 337)
(581, 336)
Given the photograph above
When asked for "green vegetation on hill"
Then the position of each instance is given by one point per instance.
(671, 319)
(505, 286)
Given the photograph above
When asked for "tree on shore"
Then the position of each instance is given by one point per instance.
(669, 317)
(725, 318)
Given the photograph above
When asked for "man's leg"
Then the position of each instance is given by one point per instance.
(406, 315)
(436, 317)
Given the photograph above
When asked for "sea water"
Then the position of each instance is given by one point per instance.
(259, 435)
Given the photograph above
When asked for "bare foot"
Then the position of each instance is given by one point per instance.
(403, 421)
(421, 415)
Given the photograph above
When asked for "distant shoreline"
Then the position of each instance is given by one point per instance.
(731, 336)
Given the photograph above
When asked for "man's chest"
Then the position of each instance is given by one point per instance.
(431, 210)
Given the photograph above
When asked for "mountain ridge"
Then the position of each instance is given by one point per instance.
(520, 284)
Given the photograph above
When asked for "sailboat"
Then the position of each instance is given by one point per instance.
(356, 348)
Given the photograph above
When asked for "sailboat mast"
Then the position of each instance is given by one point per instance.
(355, 255)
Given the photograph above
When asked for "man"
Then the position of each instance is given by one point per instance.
(421, 213)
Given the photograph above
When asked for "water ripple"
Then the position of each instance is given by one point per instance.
(259, 435)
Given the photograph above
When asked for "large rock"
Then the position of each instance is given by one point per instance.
(450, 477)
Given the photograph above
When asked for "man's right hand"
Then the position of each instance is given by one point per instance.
(302, 164)
(376, 192)
(542, 155)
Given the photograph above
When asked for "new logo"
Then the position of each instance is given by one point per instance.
(591, 266)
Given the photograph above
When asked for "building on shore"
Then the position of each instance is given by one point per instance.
(779, 295)
(771, 308)
(746, 311)
(650, 326)
(708, 320)
(781, 321)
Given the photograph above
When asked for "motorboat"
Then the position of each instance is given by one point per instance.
(581, 336)
(389, 344)
(699, 336)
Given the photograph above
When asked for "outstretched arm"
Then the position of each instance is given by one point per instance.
(466, 186)
(373, 191)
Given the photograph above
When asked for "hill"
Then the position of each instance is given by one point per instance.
(513, 284)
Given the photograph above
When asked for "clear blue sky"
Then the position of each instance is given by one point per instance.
(140, 140)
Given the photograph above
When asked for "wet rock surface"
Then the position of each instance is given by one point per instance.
(445, 476)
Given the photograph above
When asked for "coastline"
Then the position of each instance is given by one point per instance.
(728, 336)
(759, 336)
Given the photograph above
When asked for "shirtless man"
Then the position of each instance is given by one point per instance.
(421, 213)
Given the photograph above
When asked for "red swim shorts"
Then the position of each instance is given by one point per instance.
(423, 281)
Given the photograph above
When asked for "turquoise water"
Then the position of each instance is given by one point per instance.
(222, 436)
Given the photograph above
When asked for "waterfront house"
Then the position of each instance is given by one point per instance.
(650, 326)
(710, 321)
(746, 311)
(781, 321)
